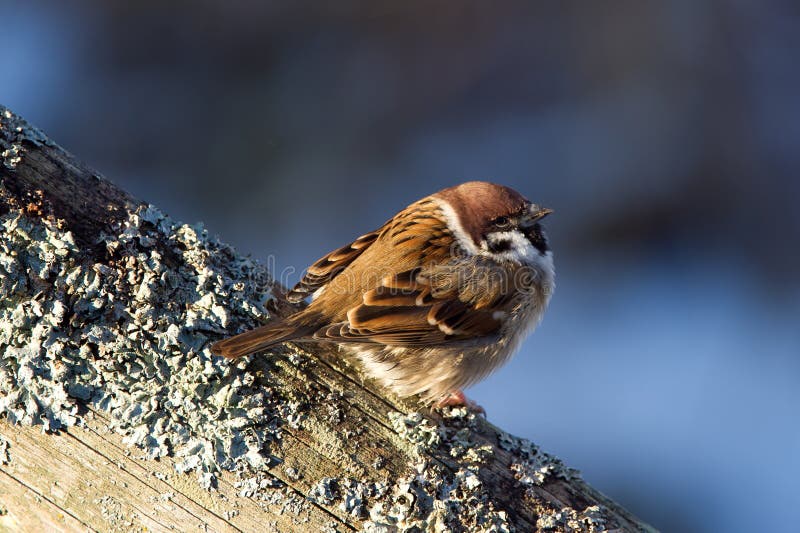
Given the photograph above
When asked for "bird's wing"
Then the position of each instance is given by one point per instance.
(427, 306)
(418, 228)
(325, 269)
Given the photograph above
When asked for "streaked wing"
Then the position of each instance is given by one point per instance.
(324, 270)
(426, 306)
(417, 230)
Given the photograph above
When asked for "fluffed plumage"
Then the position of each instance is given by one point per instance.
(433, 300)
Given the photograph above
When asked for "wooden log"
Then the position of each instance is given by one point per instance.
(115, 416)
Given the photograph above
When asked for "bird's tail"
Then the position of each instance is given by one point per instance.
(258, 339)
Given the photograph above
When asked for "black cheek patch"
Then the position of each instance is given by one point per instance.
(500, 246)
(537, 238)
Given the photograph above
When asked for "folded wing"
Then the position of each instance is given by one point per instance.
(426, 306)
(324, 270)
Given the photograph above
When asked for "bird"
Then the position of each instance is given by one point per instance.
(432, 301)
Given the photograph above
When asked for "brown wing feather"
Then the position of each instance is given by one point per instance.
(325, 269)
(422, 306)
(418, 228)
(259, 339)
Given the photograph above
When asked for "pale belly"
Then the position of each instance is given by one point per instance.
(435, 371)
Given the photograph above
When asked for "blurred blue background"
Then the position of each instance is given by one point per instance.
(665, 135)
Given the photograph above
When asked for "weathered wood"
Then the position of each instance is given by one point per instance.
(95, 350)
(18, 502)
(88, 477)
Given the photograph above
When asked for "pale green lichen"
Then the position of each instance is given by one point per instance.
(438, 501)
(568, 520)
(416, 430)
(12, 156)
(18, 132)
(458, 436)
(255, 485)
(273, 494)
(131, 337)
(533, 466)
(433, 497)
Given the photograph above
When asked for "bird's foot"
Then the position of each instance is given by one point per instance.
(458, 398)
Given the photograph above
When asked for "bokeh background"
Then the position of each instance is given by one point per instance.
(665, 134)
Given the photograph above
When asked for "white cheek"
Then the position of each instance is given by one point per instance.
(520, 251)
(464, 240)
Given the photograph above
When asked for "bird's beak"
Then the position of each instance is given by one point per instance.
(538, 213)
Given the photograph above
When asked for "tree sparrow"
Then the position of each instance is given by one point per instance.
(432, 301)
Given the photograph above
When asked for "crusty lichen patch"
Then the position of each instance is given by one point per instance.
(416, 430)
(568, 520)
(429, 500)
(433, 497)
(130, 336)
(533, 466)
(20, 131)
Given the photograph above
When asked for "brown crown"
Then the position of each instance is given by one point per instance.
(478, 203)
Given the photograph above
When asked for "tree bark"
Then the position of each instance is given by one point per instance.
(108, 309)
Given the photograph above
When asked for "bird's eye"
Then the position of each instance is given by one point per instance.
(502, 222)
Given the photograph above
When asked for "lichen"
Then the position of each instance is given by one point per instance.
(12, 156)
(18, 132)
(325, 491)
(433, 500)
(255, 485)
(568, 520)
(112, 512)
(415, 429)
(458, 436)
(432, 497)
(5, 454)
(533, 466)
(130, 336)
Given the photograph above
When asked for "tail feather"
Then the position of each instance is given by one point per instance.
(258, 339)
